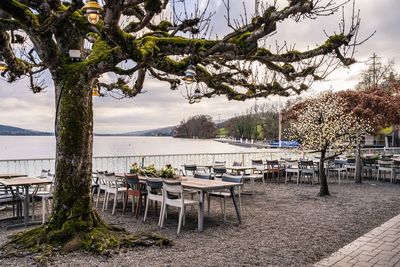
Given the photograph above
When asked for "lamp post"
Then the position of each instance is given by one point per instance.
(3, 65)
(190, 74)
(197, 95)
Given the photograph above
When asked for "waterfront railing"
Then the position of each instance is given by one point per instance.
(33, 167)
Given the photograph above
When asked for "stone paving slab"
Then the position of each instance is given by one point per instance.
(379, 248)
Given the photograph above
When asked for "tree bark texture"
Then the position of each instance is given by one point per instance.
(358, 163)
(324, 190)
(74, 138)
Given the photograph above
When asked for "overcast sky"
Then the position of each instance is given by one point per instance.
(160, 106)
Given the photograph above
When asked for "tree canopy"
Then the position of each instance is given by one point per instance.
(132, 39)
(134, 31)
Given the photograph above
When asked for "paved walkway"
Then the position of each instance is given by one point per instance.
(380, 247)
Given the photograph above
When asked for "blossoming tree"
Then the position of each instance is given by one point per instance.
(323, 125)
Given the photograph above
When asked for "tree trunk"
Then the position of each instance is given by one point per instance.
(324, 190)
(358, 163)
(74, 138)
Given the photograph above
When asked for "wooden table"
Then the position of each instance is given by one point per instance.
(11, 175)
(24, 182)
(202, 186)
(239, 169)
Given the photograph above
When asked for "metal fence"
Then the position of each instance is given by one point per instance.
(33, 167)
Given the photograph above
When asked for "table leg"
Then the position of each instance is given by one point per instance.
(232, 189)
(26, 205)
(201, 211)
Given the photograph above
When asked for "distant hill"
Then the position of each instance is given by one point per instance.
(10, 130)
(166, 131)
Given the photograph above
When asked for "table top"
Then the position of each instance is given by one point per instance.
(24, 181)
(193, 183)
(11, 175)
(203, 184)
(241, 168)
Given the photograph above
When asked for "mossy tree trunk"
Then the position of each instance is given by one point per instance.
(358, 163)
(324, 190)
(74, 138)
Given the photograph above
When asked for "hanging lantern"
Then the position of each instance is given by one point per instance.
(95, 91)
(92, 11)
(3, 65)
(197, 95)
(190, 74)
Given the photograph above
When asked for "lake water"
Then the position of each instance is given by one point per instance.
(28, 147)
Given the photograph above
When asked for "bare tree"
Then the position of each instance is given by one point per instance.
(134, 39)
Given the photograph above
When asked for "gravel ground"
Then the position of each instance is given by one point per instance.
(287, 226)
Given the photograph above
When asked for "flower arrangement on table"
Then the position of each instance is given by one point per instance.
(166, 172)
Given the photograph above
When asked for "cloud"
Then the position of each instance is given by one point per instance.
(160, 106)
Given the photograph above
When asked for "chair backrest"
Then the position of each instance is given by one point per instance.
(110, 178)
(204, 176)
(132, 180)
(340, 162)
(385, 163)
(43, 174)
(292, 164)
(256, 162)
(369, 161)
(396, 163)
(306, 164)
(220, 163)
(190, 169)
(232, 178)
(50, 178)
(219, 169)
(351, 161)
(170, 186)
(272, 164)
(286, 159)
(237, 163)
(154, 183)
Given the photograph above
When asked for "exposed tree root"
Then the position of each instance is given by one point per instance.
(75, 234)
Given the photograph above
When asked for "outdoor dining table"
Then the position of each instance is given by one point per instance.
(24, 182)
(11, 175)
(238, 169)
(202, 186)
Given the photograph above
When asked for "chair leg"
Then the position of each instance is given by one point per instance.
(115, 204)
(105, 201)
(146, 209)
(98, 197)
(162, 217)
(184, 213)
(208, 204)
(138, 206)
(224, 209)
(180, 220)
(43, 210)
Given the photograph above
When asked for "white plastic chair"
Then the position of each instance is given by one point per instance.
(102, 185)
(224, 194)
(116, 187)
(153, 185)
(45, 196)
(180, 202)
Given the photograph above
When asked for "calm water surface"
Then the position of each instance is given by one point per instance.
(26, 147)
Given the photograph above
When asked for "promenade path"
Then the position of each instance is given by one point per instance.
(379, 248)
